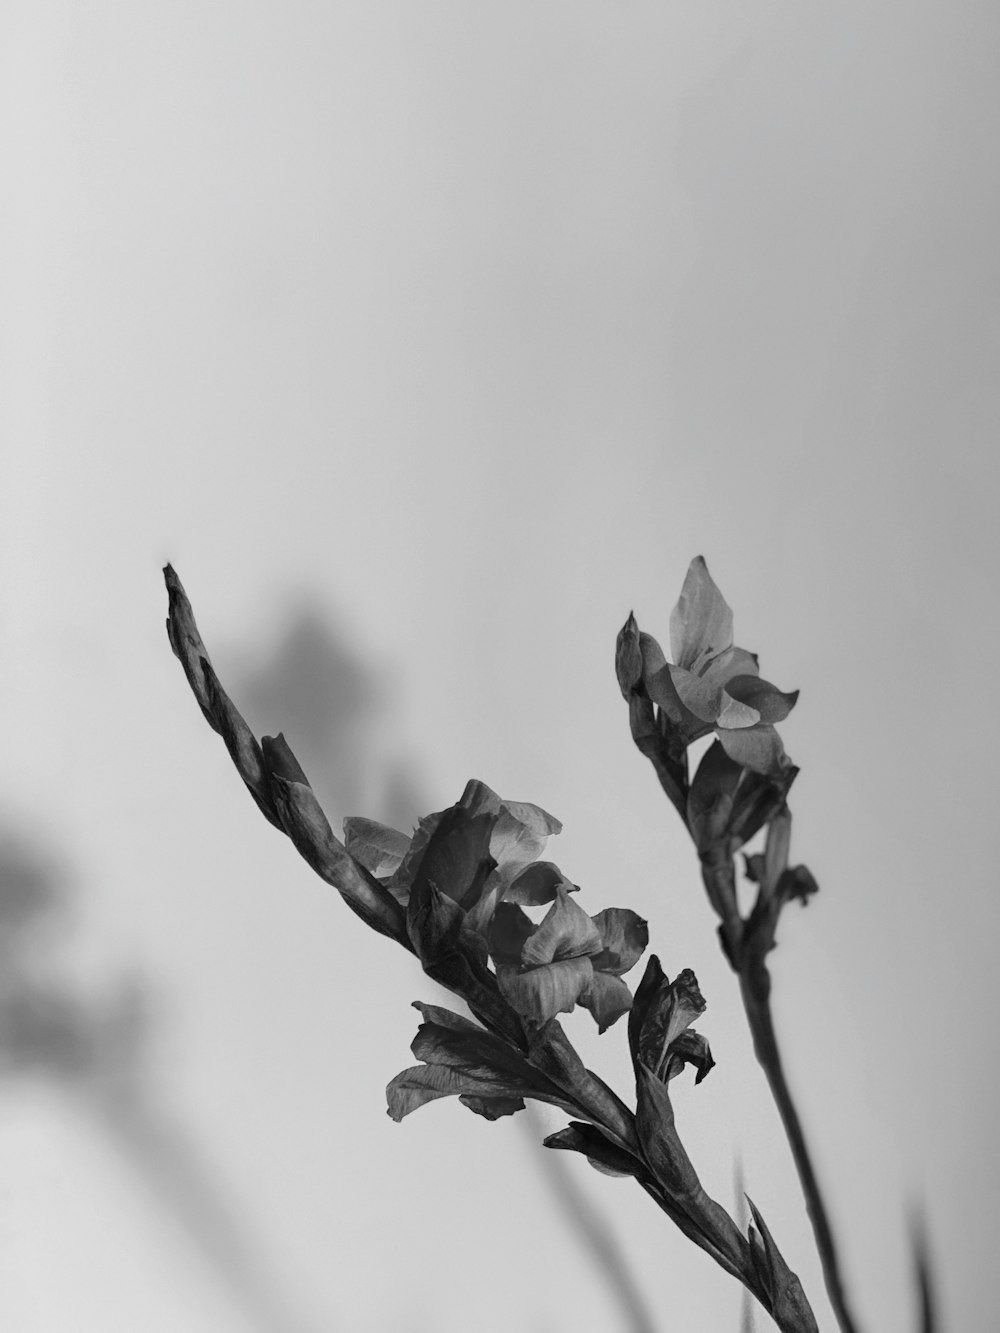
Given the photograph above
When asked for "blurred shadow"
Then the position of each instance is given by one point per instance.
(592, 1229)
(92, 1049)
(328, 704)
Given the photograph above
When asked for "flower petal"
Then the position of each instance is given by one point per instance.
(701, 624)
(542, 992)
(700, 695)
(457, 860)
(624, 935)
(693, 1049)
(426, 1083)
(378, 847)
(733, 662)
(566, 931)
(758, 748)
(772, 704)
(607, 998)
(733, 714)
(492, 1108)
(536, 884)
(510, 930)
(520, 835)
(658, 682)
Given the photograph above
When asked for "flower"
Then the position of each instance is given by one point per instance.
(660, 1034)
(474, 851)
(712, 685)
(568, 958)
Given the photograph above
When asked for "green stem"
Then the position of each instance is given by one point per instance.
(755, 985)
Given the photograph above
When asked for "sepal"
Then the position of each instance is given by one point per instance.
(789, 1306)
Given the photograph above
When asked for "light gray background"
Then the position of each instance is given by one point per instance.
(427, 339)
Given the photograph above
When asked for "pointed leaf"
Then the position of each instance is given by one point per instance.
(788, 1301)
(604, 1156)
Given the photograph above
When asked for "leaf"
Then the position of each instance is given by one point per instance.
(379, 848)
(603, 1155)
(788, 1301)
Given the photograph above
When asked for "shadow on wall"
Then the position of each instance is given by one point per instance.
(91, 1047)
(332, 709)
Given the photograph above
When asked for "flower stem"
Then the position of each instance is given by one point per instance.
(755, 985)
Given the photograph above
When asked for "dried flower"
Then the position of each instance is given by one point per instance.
(712, 685)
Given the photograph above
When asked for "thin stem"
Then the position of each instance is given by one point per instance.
(755, 988)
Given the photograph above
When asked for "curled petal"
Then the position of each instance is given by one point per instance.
(377, 847)
(536, 884)
(701, 624)
(689, 1048)
(700, 695)
(735, 714)
(542, 992)
(426, 1083)
(624, 935)
(758, 748)
(772, 704)
(566, 931)
(492, 1108)
(607, 998)
(520, 835)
